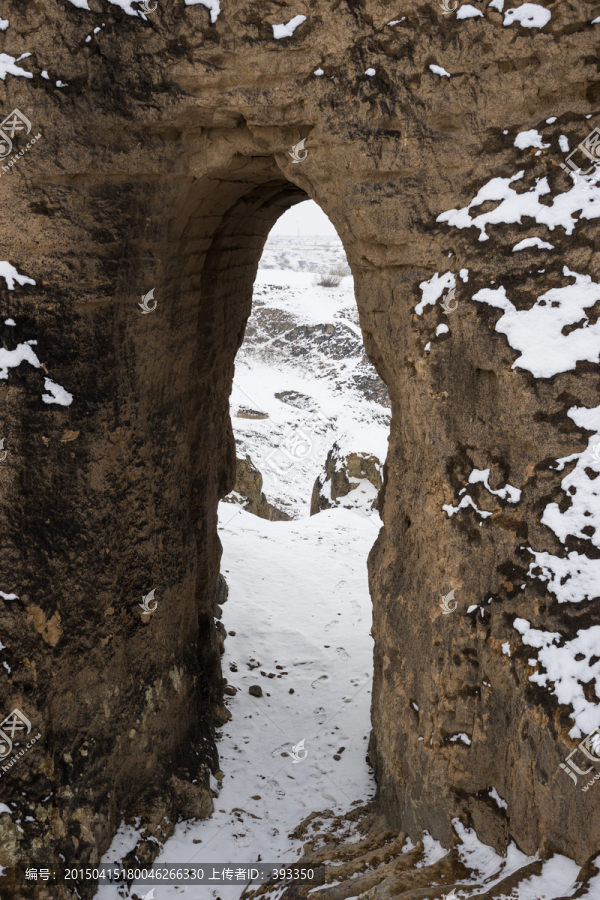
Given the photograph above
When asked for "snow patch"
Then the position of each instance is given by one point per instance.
(466, 501)
(468, 12)
(8, 67)
(481, 476)
(531, 138)
(433, 289)
(495, 796)
(461, 737)
(214, 7)
(437, 70)
(10, 274)
(57, 393)
(537, 332)
(287, 30)
(10, 359)
(529, 15)
(582, 198)
(565, 675)
(532, 242)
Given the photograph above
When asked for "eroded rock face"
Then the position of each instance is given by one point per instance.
(249, 493)
(163, 164)
(351, 479)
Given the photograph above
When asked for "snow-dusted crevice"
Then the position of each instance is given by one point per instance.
(537, 333)
(581, 202)
(10, 359)
(288, 28)
(481, 476)
(568, 666)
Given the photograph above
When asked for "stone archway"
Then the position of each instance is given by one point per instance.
(163, 164)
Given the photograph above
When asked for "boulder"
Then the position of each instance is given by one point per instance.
(352, 480)
(248, 493)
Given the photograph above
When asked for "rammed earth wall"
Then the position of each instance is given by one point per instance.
(14, 159)
(165, 162)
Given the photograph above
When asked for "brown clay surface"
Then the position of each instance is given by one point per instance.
(164, 164)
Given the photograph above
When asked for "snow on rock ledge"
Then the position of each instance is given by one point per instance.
(287, 30)
(214, 7)
(538, 332)
(581, 197)
(10, 274)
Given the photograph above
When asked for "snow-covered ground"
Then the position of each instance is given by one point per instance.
(298, 611)
(304, 254)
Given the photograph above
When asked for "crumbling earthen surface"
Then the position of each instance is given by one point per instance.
(163, 164)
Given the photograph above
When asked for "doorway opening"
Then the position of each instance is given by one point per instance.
(310, 419)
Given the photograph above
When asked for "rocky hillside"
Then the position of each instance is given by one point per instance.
(303, 381)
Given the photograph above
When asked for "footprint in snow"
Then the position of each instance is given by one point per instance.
(242, 840)
(320, 715)
(319, 681)
(356, 606)
(342, 653)
(330, 625)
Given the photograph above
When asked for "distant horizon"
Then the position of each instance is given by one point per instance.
(305, 237)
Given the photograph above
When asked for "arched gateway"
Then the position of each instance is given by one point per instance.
(434, 142)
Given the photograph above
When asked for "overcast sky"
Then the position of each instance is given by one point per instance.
(306, 219)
